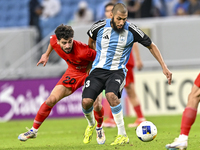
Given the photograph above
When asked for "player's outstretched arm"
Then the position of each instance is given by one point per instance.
(45, 57)
(156, 53)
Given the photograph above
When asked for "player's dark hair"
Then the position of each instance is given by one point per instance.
(109, 4)
(119, 7)
(64, 31)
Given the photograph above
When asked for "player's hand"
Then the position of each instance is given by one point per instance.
(168, 74)
(43, 60)
(139, 65)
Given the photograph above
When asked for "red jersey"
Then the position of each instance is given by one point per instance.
(130, 65)
(197, 81)
(130, 62)
(79, 57)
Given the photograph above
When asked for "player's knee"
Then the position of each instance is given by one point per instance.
(97, 106)
(112, 98)
(193, 98)
(51, 101)
(87, 103)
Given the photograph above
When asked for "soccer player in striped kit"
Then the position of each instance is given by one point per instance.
(130, 82)
(113, 39)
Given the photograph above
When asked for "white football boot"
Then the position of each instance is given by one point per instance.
(101, 138)
(177, 144)
(29, 134)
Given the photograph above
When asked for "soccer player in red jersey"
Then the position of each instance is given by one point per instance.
(130, 89)
(188, 117)
(78, 57)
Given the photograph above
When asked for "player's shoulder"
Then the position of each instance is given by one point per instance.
(134, 29)
(79, 44)
(132, 26)
(98, 24)
(53, 39)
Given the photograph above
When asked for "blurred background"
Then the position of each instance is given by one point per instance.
(25, 28)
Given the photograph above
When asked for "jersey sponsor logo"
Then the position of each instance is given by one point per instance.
(76, 64)
(81, 67)
(118, 80)
(106, 37)
(71, 62)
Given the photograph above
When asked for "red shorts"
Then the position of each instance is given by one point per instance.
(197, 81)
(129, 76)
(72, 79)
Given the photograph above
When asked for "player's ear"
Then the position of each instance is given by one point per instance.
(111, 14)
(57, 41)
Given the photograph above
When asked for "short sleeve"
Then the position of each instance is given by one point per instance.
(93, 31)
(53, 40)
(139, 35)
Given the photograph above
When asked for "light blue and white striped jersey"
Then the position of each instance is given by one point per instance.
(114, 48)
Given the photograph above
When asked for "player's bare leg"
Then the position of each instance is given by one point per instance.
(87, 107)
(117, 112)
(109, 122)
(188, 118)
(130, 89)
(56, 95)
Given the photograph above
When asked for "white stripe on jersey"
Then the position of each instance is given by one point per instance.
(119, 51)
(136, 29)
(95, 26)
(104, 46)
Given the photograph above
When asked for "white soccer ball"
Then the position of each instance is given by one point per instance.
(146, 131)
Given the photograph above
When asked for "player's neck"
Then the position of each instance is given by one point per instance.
(111, 24)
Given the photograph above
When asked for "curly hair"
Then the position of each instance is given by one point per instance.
(64, 31)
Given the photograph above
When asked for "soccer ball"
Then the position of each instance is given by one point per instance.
(146, 131)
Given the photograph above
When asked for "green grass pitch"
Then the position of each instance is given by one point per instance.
(67, 134)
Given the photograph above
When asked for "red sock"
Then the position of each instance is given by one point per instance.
(99, 116)
(42, 114)
(138, 111)
(110, 113)
(188, 118)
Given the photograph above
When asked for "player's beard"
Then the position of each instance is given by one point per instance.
(67, 50)
(115, 26)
